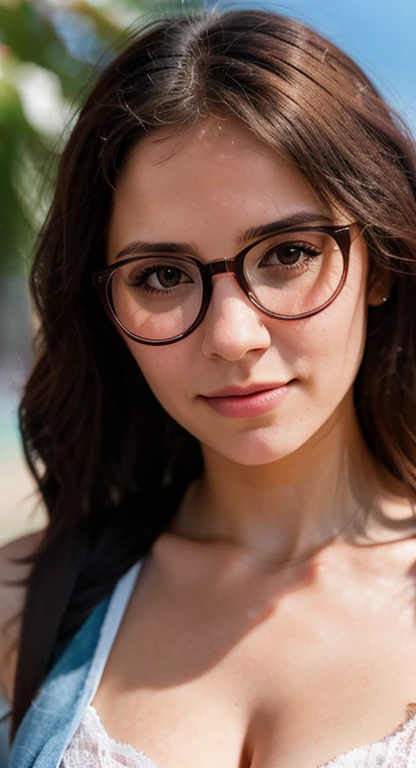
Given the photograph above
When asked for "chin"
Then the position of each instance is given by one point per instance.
(259, 447)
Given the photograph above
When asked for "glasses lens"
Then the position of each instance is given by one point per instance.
(156, 297)
(294, 272)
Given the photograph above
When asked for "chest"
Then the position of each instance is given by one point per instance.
(250, 675)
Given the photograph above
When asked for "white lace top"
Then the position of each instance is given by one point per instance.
(92, 747)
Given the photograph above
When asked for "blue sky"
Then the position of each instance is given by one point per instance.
(379, 34)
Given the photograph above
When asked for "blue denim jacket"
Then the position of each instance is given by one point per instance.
(4, 732)
(55, 714)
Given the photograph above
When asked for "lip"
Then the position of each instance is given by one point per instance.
(246, 402)
(251, 389)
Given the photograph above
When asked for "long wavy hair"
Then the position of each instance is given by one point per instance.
(109, 463)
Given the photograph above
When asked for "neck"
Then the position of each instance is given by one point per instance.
(289, 508)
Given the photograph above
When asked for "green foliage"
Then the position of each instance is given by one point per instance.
(51, 50)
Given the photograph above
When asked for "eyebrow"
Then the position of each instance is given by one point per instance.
(136, 247)
(296, 219)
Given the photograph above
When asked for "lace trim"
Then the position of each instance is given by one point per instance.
(92, 747)
(397, 750)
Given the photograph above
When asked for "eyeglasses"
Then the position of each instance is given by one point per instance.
(160, 298)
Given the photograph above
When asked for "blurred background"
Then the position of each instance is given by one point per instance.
(50, 51)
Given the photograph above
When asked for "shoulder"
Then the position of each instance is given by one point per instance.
(12, 598)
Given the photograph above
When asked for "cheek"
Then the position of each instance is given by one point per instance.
(166, 369)
(332, 342)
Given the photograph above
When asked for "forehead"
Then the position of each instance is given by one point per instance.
(216, 179)
(216, 141)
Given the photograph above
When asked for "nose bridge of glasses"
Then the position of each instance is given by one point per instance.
(220, 267)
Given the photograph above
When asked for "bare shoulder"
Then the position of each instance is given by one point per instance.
(12, 598)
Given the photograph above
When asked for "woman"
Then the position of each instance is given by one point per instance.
(222, 418)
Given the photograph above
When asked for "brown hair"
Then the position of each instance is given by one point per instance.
(110, 464)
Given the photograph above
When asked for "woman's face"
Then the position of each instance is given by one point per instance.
(206, 188)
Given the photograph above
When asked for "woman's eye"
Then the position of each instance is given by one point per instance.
(160, 277)
(288, 255)
(166, 277)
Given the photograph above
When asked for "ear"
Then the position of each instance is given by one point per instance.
(380, 283)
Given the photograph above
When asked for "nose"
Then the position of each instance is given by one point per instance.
(233, 326)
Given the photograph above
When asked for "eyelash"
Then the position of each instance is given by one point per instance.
(306, 248)
(141, 282)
